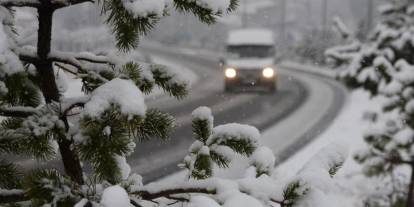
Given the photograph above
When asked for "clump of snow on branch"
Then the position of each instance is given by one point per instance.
(42, 123)
(9, 61)
(242, 200)
(202, 201)
(324, 165)
(217, 146)
(123, 93)
(61, 80)
(263, 160)
(115, 196)
(204, 113)
(3, 88)
(123, 166)
(237, 132)
(315, 180)
(144, 8)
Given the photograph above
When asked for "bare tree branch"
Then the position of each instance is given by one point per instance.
(29, 55)
(86, 56)
(66, 69)
(172, 194)
(79, 102)
(74, 59)
(180, 199)
(146, 195)
(134, 203)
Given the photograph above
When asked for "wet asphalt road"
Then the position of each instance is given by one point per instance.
(155, 159)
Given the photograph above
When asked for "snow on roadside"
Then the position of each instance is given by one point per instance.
(347, 129)
(121, 92)
(317, 70)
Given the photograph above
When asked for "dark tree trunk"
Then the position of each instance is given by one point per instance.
(44, 66)
(410, 197)
(50, 90)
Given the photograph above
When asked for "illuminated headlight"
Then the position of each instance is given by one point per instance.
(268, 72)
(230, 73)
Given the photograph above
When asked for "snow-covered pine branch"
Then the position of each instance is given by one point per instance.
(102, 127)
(384, 67)
(303, 189)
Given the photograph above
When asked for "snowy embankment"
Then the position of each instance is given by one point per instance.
(346, 130)
(308, 69)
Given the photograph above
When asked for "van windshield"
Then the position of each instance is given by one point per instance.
(250, 51)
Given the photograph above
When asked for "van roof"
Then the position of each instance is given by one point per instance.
(250, 37)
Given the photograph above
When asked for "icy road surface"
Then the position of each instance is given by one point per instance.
(303, 107)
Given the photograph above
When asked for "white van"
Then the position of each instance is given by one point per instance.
(250, 60)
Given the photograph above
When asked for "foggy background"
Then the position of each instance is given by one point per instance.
(302, 27)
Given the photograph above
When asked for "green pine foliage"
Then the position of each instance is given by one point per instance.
(156, 124)
(128, 29)
(212, 148)
(22, 91)
(49, 187)
(17, 137)
(9, 176)
(101, 145)
(177, 89)
(134, 72)
(125, 26)
(293, 193)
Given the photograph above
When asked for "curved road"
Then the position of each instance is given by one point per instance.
(304, 106)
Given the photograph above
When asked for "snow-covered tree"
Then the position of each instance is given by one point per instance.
(100, 128)
(384, 66)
